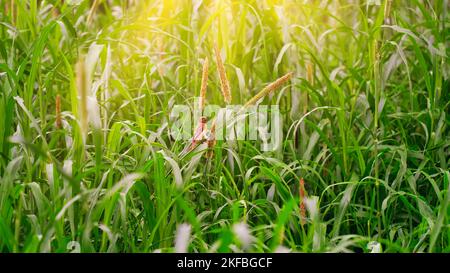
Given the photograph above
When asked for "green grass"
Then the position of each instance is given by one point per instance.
(366, 121)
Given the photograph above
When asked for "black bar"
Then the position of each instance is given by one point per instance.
(236, 262)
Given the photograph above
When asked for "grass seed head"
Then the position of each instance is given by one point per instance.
(302, 193)
(6, 7)
(211, 142)
(198, 134)
(55, 12)
(224, 84)
(268, 89)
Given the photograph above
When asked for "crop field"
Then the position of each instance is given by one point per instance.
(118, 126)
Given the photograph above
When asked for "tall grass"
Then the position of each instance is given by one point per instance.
(86, 158)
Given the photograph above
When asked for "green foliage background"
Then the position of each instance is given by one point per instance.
(365, 123)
